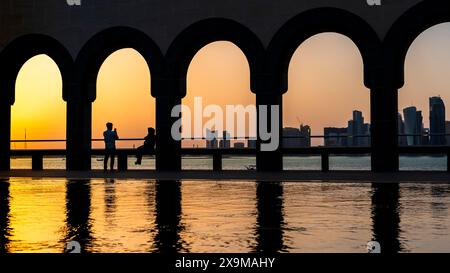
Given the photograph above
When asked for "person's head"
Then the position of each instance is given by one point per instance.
(109, 126)
(151, 131)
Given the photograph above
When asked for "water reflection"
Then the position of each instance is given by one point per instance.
(110, 201)
(168, 217)
(4, 216)
(439, 208)
(219, 216)
(78, 209)
(270, 218)
(386, 216)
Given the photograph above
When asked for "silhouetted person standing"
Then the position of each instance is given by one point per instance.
(110, 137)
(148, 147)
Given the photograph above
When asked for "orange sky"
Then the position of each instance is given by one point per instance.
(325, 85)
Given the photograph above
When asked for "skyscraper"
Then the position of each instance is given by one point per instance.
(335, 137)
(447, 131)
(401, 131)
(365, 141)
(413, 125)
(437, 121)
(211, 139)
(357, 131)
(305, 134)
(420, 130)
(225, 143)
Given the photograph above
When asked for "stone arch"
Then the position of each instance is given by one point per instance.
(103, 44)
(196, 36)
(19, 51)
(405, 31)
(307, 24)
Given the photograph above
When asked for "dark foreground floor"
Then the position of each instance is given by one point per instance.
(300, 176)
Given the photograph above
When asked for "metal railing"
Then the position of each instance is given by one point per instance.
(217, 154)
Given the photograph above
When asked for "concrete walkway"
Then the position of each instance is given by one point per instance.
(297, 176)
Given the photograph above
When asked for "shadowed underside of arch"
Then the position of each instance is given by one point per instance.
(312, 22)
(195, 37)
(407, 28)
(19, 51)
(103, 44)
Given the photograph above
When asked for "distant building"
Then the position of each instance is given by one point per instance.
(291, 138)
(437, 121)
(239, 145)
(335, 137)
(212, 139)
(297, 138)
(402, 141)
(425, 139)
(447, 131)
(225, 143)
(366, 141)
(305, 134)
(251, 144)
(421, 138)
(413, 126)
(410, 114)
(357, 131)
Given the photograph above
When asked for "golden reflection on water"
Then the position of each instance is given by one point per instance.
(37, 209)
(221, 216)
(215, 217)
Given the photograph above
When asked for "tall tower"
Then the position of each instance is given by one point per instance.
(410, 115)
(437, 121)
(356, 129)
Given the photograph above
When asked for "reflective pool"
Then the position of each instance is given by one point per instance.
(42, 215)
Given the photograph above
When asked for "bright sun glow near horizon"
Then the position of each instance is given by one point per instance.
(325, 85)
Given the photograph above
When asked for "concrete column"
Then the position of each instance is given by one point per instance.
(384, 111)
(79, 131)
(168, 150)
(5, 135)
(269, 161)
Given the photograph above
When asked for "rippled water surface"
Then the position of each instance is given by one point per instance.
(41, 215)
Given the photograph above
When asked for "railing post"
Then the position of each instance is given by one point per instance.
(325, 158)
(217, 161)
(37, 162)
(122, 161)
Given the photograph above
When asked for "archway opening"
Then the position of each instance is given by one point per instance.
(423, 119)
(38, 116)
(124, 99)
(219, 108)
(326, 103)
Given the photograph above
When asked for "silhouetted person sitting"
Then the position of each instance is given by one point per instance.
(148, 147)
(110, 137)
